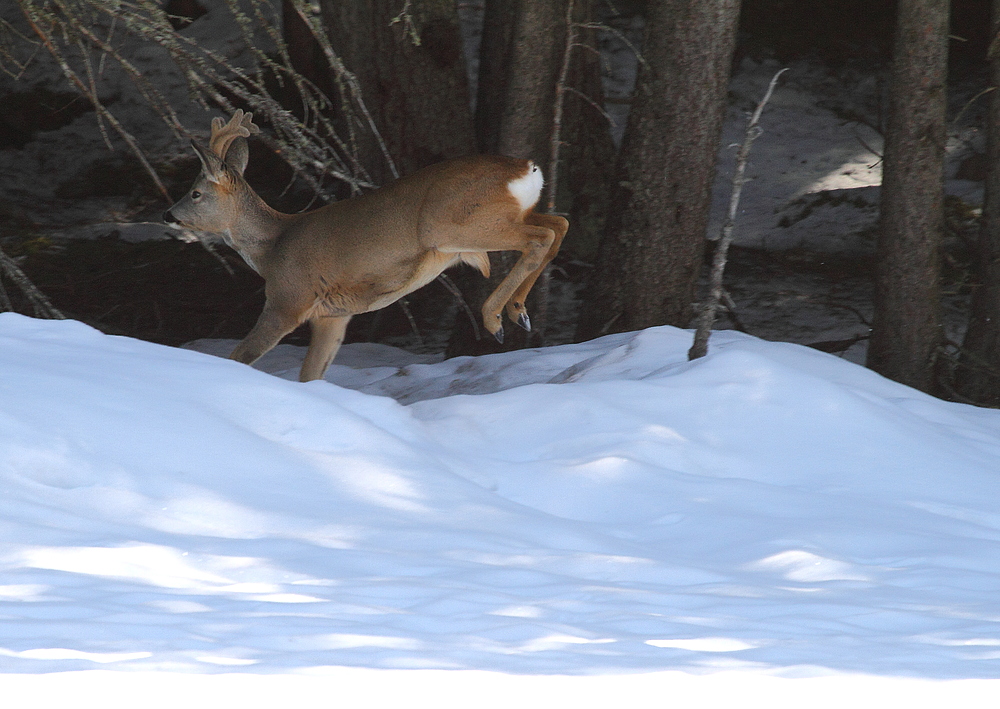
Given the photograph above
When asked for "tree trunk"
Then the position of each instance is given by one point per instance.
(906, 328)
(654, 240)
(520, 57)
(412, 77)
(978, 373)
(303, 49)
(499, 19)
(526, 120)
(585, 180)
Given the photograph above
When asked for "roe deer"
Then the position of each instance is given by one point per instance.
(364, 253)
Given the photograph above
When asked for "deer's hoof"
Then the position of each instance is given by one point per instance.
(524, 321)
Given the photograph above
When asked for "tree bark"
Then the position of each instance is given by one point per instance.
(906, 328)
(499, 19)
(588, 150)
(412, 77)
(654, 240)
(526, 120)
(978, 374)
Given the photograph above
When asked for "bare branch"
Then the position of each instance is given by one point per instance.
(405, 17)
(405, 305)
(969, 103)
(869, 148)
(454, 290)
(555, 143)
(607, 116)
(618, 34)
(98, 105)
(711, 304)
(41, 305)
(80, 36)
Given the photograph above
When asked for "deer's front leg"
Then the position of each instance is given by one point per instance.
(273, 324)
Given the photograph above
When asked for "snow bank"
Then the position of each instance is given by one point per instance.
(587, 510)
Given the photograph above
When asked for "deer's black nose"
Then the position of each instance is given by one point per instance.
(170, 218)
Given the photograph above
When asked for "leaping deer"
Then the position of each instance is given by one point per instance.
(364, 253)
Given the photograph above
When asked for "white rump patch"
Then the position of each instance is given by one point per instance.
(527, 189)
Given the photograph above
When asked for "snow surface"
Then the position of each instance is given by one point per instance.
(577, 525)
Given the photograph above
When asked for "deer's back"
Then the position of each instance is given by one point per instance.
(433, 208)
(364, 253)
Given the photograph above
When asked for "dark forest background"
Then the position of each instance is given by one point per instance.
(636, 250)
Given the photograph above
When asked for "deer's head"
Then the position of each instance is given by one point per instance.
(214, 201)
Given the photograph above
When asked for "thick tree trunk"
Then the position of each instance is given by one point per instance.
(906, 329)
(654, 240)
(412, 77)
(978, 374)
(588, 151)
(519, 65)
(499, 20)
(533, 68)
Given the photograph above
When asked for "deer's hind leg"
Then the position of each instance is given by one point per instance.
(327, 336)
(535, 243)
(515, 306)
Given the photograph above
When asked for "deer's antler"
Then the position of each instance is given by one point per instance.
(241, 125)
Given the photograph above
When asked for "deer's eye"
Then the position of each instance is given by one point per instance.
(195, 194)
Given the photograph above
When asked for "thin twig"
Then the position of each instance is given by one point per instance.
(405, 305)
(40, 304)
(869, 148)
(730, 305)
(210, 248)
(607, 116)
(958, 116)
(98, 105)
(555, 143)
(454, 290)
(341, 72)
(405, 17)
(73, 31)
(711, 304)
(617, 33)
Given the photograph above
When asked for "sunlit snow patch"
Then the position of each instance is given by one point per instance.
(226, 661)
(62, 653)
(23, 592)
(554, 642)
(807, 567)
(705, 644)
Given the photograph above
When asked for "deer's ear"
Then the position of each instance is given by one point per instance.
(238, 155)
(214, 167)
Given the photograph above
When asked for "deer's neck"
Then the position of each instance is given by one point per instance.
(256, 229)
